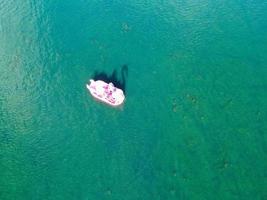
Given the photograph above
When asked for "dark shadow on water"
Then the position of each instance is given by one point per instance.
(113, 78)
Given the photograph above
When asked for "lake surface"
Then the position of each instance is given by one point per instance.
(194, 122)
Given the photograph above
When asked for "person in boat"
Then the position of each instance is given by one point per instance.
(108, 90)
(111, 89)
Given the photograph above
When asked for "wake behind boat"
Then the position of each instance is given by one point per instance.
(106, 92)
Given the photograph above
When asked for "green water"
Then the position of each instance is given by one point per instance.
(194, 122)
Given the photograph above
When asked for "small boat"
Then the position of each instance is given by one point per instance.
(106, 92)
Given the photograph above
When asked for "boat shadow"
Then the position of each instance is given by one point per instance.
(113, 78)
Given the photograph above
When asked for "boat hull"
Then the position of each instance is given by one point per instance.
(106, 93)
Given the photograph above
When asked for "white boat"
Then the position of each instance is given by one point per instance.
(106, 92)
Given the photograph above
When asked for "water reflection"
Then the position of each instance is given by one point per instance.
(119, 83)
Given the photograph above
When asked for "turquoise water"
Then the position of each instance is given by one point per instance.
(194, 122)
